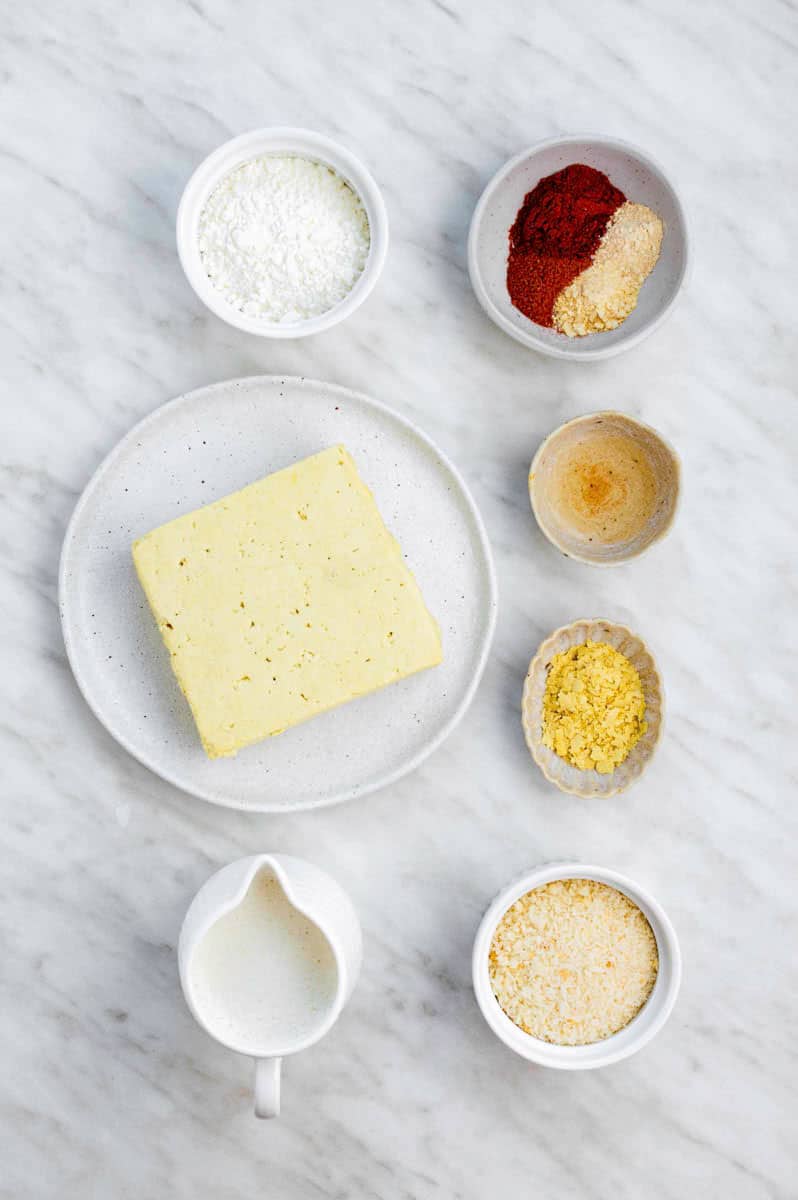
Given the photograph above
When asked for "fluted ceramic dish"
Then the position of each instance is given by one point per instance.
(590, 784)
(662, 459)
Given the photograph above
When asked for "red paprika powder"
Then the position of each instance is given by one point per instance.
(555, 235)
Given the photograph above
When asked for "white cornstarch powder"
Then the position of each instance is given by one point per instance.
(283, 238)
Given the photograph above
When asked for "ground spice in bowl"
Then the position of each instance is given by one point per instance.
(580, 252)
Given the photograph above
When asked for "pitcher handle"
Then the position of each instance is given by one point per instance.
(267, 1087)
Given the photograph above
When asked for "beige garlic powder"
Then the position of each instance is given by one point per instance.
(604, 294)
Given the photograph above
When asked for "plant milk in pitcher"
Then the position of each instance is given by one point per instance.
(264, 977)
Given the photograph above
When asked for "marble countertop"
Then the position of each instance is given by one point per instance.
(108, 1087)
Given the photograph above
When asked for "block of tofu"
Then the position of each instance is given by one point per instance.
(284, 600)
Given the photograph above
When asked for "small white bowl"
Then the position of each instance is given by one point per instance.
(632, 1037)
(283, 140)
(641, 180)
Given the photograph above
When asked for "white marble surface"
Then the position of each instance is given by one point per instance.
(108, 1088)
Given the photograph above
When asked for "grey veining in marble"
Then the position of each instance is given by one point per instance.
(108, 1088)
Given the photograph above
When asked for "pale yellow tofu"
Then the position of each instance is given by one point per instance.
(284, 600)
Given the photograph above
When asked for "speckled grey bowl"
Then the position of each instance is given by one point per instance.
(590, 784)
(641, 180)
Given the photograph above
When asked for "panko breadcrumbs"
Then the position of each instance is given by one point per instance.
(593, 707)
(573, 962)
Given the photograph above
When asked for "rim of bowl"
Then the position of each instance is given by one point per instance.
(303, 143)
(658, 536)
(529, 338)
(589, 793)
(644, 1026)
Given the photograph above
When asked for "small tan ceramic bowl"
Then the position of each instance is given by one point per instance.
(570, 779)
(604, 488)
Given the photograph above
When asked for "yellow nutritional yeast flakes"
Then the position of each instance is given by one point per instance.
(593, 707)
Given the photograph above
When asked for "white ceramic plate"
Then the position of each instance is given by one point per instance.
(203, 446)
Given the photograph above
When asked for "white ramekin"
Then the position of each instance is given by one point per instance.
(633, 1036)
(304, 143)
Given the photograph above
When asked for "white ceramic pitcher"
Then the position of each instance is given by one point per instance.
(317, 897)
